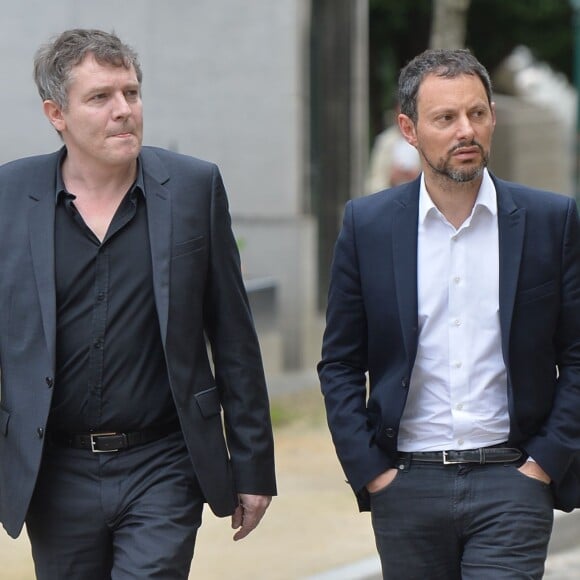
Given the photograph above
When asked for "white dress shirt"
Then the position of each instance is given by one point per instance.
(458, 390)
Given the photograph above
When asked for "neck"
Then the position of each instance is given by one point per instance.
(96, 181)
(455, 200)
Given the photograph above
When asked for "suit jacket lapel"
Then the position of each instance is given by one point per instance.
(41, 234)
(404, 230)
(159, 219)
(511, 225)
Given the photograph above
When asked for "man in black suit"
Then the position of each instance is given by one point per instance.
(459, 294)
(118, 267)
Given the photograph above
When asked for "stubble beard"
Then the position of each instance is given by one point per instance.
(458, 174)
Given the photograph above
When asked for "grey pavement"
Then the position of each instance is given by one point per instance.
(564, 554)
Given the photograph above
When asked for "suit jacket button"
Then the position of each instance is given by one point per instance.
(405, 382)
(40, 432)
(390, 432)
(49, 382)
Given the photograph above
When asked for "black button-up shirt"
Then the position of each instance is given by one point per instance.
(110, 367)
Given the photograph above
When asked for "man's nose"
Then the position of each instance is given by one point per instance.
(121, 107)
(464, 128)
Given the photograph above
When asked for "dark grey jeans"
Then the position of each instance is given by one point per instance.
(477, 522)
(120, 516)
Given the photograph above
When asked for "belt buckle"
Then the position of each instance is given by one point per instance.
(93, 437)
(447, 461)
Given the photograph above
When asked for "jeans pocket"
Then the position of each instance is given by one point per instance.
(386, 488)
(529, 478)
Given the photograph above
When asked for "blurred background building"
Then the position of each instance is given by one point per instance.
(287, 96)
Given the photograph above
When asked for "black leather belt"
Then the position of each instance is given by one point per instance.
(111, 441)
(479, 456)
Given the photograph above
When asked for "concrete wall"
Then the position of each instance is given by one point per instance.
(221, 81)
(532, 146)
(224, 81)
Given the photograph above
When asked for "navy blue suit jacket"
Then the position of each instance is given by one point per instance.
(199, 295)
(372, 325)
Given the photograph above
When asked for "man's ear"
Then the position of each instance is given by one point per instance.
(407, 128)
(54, 114)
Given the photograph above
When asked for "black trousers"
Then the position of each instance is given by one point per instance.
(133, 514)
(469, 522)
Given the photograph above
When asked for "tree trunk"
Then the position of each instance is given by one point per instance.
(449, 23)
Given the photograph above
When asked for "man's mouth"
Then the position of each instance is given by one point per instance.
(466, 151)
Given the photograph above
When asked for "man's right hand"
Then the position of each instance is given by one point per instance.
(382, 480)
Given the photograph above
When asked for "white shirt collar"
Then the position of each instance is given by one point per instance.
(486, 198)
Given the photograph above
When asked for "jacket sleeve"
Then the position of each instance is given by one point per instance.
(236, 357)
(344, 365)
(558, 441)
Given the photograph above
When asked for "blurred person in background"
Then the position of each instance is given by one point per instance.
(393, 160)
(118, 261)
(405, 163)
(459, 294)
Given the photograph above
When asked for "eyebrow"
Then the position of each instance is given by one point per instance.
(109, 87)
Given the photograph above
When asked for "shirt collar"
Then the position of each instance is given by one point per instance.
(138, 184)
(486, 198)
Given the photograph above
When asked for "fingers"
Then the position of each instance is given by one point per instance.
(237, 517)
(382, 480)
(249, 513)
(532, 469)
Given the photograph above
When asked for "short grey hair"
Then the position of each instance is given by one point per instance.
(448, 63)
(55, 60)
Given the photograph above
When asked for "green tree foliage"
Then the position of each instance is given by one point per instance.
(400, 29)
(495, 27)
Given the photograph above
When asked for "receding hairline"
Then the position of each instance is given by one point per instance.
(444, 73)
(125, 63)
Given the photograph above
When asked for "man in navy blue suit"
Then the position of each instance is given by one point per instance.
(459, 295)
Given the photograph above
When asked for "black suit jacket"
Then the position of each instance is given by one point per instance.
(198, 292)
(372, 326)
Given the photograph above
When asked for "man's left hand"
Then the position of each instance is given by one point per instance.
(532, 469)
(249, 513)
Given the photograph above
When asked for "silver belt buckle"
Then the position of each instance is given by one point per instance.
(449, 461)
(94, 442)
